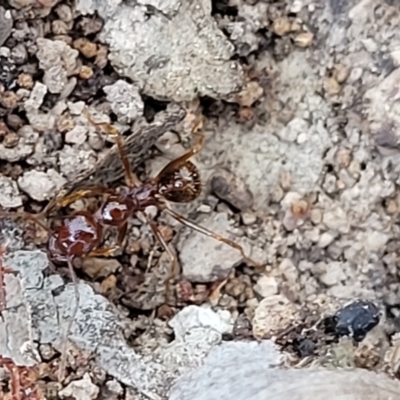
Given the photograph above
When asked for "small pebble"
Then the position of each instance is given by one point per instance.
(9, 193)
(276, 194)
(332, 86)
(266, 286)
(343, 157)
(166, 232)
(76, 108)
(14, 121)
(304, 39)
(87, 48)
(250, 94)
(204, 208)
(125, 100)
(316, 216)
(249, 218)
(231, 188)
(64, 12)
(108, 283)
(19, 55)
(285, 179)
(65, 123)
(82, 389)
(235, 287)
(6, 24)
(273, 314)
(85, 72)
(101, 59)
(333, 275)
(11, 140)
(77, 135)
(325, 240)
(59, 27)
(47, 352)
(296, 6)
(3, 131)
(341, 73)
(36, 97)
(41, 185)
(97, 267)
(281, 26)
(25, 81)
(96, 142)
(9, 100)
(112, 390)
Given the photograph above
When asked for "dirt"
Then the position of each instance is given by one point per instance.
(297, 103)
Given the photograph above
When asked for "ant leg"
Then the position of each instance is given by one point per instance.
(26, 215)
(63, 362)
(205, 231)
(131, 178)
(174, 262)
(65, 201)
(110, 250)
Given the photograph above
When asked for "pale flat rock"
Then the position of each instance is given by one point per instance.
(125, 100)
(175, 53)
(41, 185)
(58, 61)
(25, 147)
(247, 371)
(97, 329)
(9, 193)
(205, 259)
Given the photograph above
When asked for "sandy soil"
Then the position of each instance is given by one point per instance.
(297, 101)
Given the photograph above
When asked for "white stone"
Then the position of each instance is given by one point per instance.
(266, 286)
(83, 389)
(9, 193)
(41, 185)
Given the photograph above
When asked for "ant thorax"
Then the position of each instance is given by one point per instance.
(115, 210)
(143, 195)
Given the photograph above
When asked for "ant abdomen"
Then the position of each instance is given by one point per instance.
(78, 235)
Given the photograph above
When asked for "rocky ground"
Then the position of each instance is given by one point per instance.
(297, 100)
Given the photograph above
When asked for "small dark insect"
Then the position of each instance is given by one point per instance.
(355, 320)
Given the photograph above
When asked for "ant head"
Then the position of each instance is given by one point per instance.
(180, 184)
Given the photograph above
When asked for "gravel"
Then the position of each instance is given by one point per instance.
(297, 102)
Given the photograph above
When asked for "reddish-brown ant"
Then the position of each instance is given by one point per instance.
(81, 234)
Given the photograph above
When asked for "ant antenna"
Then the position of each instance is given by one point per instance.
(131, 178)
(192, 225)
